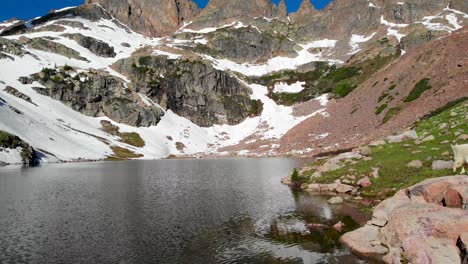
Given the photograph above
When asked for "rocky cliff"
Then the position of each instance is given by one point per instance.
(150, 17)
(235, 78)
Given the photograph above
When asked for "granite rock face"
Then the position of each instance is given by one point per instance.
(150, 17)
(192, 89)
(424, 224)
(97, 94)
(97, 47)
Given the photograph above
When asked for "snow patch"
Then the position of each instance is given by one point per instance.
(283, 87)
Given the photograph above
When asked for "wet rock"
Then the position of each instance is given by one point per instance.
(364, 182)
(415, 164)
(442, 165)
(336, 200)
(361, 240)
(331, 187)
(315, 226)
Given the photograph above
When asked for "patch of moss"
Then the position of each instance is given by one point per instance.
(390, 113)
(419, 88)
(123, 154)
(380, 109)
(343, 89)
(133, 139)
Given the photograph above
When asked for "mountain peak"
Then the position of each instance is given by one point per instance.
(150, 17)
(281, 10)
(306, 8)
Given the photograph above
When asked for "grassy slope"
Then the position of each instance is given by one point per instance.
(392, 158)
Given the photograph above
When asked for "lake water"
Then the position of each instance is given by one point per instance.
(167, 211)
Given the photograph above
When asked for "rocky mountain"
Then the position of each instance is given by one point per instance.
(155, 78)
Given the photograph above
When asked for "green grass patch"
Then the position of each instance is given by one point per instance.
(123, 154)
(133, 139)
(380, 109)
(392, 158)
(419, 88)
(390, 113)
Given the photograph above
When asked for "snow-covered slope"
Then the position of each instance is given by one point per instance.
(62, 134)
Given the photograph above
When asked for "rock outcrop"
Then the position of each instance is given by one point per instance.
(51, 46)
(97, 94)
(150, 17)
(100, 48)
(424, 224)
(27, 153)
(192, 89)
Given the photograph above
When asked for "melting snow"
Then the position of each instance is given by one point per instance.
(283, 87)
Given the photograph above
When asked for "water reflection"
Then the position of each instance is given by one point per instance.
(170, 211)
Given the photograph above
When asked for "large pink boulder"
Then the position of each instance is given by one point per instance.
(425, 222)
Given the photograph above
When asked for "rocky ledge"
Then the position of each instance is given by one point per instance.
(426, 223)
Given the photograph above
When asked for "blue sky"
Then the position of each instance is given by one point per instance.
(26, 9)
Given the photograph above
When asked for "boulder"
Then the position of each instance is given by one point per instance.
(442, 165)
(428, 138)
(336, 200)
(377, 143)
(362, 241)
(411, 134)
(415, 164)
(365, 151)
(462, 137)
(425, 221)
(375, 173)
(364, 182)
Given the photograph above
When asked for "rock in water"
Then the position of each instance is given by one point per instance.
(335, 200)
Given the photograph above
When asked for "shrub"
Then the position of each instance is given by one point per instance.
(390, 113)
(419, 88)
(380, 109)
(343, 89)
(295, 177)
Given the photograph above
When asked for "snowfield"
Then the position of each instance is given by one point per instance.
(62, 134)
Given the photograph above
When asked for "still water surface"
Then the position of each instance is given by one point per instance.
(167, 211)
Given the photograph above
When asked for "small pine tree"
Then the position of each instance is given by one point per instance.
(295, 176)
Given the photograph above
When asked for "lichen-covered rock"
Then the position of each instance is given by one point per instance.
(97, 47)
